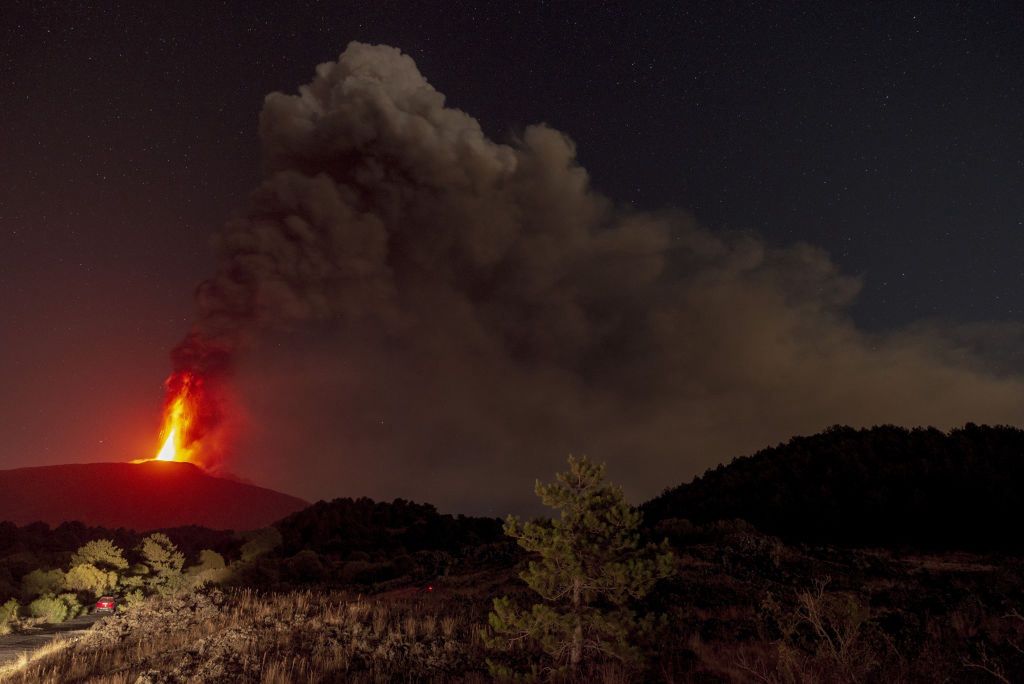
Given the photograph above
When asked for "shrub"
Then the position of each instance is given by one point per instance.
(129, 599)
(40, 582)
(259, 542)
(828, 634)
(75, 607)
(8, 613)
(210, 568)
(305, 566)
(87, 578)
(209, 560)
(50, 608)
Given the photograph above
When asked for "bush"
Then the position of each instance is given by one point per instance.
(50, 608)
(42, 582)
(261, 572)
(129, 599)
(8, 587)
(8, 613)
(208, 560)
(260, 542)
(75, 607)
(89, 579)
(828, 635)
(305, 566)
(211, 568)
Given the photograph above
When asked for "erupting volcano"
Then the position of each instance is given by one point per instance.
(179, 415)
(166, 490)
(192, 411)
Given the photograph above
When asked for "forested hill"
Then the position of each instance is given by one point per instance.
(344, 526)
(880, 486)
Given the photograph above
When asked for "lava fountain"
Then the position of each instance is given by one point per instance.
(177, 418)
(187, 415)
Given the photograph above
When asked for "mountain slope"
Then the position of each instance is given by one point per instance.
(886, 485)
(139, 496)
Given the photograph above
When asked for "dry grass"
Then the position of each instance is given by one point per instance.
(732, 617)
(27, 661)
(293, 637)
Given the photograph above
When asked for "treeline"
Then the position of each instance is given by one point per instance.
(57, 590)
(345, 526)
(364, 542)
(343, 542)
(34, 546)
(881, 486)
(98, 568)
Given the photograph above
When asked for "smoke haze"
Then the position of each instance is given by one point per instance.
(411, 309)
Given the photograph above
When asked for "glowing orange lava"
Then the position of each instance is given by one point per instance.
(179, 417)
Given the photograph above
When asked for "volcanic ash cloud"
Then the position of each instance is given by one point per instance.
(430, 314)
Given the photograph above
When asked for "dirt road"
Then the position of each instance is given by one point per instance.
(12, 646)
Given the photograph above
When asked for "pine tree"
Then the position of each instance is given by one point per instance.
(102, 553)
(591, 570)
(163, 561)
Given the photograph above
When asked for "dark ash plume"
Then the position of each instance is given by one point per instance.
(439, 316)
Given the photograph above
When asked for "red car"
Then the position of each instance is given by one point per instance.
(106, 603)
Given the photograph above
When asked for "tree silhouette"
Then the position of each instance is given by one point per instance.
(590, 569)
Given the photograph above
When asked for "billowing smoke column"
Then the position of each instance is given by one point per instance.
(459, 314)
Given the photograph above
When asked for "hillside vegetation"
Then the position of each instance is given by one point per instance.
(45, 575)
(357, 590)
(875, 487)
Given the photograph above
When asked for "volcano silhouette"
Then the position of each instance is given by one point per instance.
(138, 496)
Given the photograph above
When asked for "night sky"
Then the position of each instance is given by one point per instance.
(890, 136)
